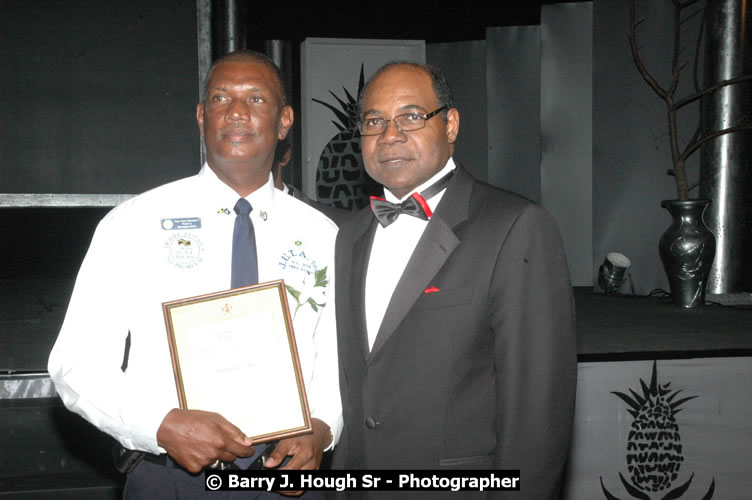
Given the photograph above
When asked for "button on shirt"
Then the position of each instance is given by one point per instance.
(174, 242)
(392, 248)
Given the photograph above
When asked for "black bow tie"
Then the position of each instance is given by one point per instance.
(387, 212)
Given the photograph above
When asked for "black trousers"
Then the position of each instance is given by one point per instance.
(150, 481)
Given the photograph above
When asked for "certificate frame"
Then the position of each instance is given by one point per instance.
(223, 346)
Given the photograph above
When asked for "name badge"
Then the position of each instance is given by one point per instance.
(181, 223)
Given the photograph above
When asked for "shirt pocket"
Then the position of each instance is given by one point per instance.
(446, 298)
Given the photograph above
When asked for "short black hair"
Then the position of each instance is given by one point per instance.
(438, 82)
(247, 55)
(283, 146)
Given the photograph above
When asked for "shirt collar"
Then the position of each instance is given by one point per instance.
(224, 196)
(450, 165)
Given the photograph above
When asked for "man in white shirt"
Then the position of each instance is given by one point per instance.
(174, 242)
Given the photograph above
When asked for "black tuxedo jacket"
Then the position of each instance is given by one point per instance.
(474, 365)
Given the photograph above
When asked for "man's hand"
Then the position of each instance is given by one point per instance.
(196, 439)
(306, 451)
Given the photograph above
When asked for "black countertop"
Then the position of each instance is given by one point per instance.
(639, 327)
(608, 327)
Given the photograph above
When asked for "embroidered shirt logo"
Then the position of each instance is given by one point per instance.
(304, 281)
(296, 259)
(184, 250)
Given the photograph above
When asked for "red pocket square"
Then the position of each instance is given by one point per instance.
(431, 289)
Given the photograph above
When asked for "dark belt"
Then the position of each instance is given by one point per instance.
(165, 460)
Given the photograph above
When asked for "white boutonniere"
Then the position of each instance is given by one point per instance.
(312, 292)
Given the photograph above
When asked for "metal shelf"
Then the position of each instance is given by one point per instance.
(23, 200)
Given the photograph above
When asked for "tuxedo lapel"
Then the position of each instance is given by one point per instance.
(433, 249)
(361, 252)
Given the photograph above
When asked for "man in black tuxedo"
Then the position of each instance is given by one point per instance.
(455, 313)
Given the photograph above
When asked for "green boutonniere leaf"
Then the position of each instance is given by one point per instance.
(313, 304)
(311, 290)
(320, 276)
(293, 292)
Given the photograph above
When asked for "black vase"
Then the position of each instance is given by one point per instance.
(687, 250)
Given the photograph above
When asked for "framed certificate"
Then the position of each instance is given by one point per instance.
(234, 353)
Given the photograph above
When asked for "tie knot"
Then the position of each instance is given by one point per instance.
(243, 207)
(387, 212)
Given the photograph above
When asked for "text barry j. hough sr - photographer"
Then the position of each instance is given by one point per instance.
(386, 480)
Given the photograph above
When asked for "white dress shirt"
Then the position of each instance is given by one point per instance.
(170, 243)
(392, 248)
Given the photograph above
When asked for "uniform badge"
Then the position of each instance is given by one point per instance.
(184, 250)
(180, 223)
(297, 259)
(304, 281)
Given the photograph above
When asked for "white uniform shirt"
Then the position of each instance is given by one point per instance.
(170, 243)
(392, 248)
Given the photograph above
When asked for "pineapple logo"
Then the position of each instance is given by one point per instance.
(654, 450)
(341, 179)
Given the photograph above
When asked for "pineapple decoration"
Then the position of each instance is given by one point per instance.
(341, 179)
(654, 450)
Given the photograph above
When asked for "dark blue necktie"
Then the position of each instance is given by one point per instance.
(244, 259)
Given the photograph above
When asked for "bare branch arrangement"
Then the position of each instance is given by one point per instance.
(673, 103)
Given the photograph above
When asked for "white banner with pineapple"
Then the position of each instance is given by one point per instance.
(662, 430)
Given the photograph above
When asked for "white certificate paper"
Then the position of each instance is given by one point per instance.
(234, 353)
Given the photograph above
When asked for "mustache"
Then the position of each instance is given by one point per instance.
(236, 129)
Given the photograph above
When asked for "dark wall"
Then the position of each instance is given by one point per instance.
(464, 64)
(97, 97)
(514, 110)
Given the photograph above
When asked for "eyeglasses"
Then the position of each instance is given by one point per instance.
(404, 123)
